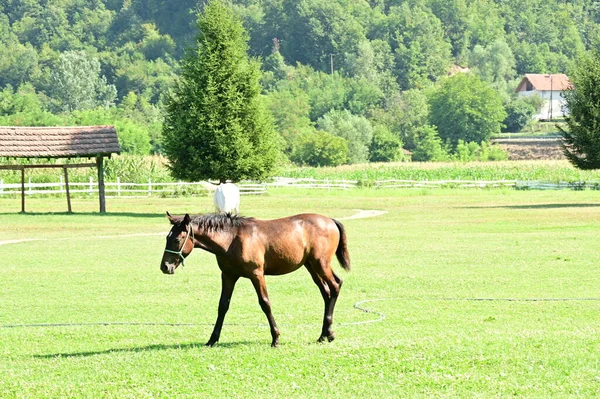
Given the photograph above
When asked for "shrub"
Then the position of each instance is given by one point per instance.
(319, 148)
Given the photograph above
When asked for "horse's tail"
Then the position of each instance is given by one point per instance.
(342, 249)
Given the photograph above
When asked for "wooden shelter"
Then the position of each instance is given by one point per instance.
(60, 142)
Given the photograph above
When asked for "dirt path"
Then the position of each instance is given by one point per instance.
(364, 214)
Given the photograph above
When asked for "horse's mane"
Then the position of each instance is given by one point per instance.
(220, 221)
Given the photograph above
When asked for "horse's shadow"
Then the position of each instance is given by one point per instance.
(155, 347)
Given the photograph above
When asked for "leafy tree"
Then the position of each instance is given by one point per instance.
(494, 64)
(403, 114)
(317, 29)
(428, 145)
(134, 137)
(18, 62)
(454, 16)
(357, 130)
(77, 84)
(155, 45)
(385, 146)
(581, 137)
(485, 22)
(217, 126)
(173, 18)
(466, 152)
(519, 112)
(325, 91)
(290, 109)
(422, 53)
(492, 152)
(372, 65)
(151, 79)
(24, 108)
(466, 108)
(319, 148)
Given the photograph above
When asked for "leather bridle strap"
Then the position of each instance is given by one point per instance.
(180, 252)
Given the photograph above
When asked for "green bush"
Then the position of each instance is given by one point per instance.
(319, 148)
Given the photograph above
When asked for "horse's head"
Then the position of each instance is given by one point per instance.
(180, 242)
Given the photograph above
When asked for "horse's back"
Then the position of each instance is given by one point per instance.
(300, 238)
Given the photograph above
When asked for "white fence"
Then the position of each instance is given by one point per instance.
(121, 189)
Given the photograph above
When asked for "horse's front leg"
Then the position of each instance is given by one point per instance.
(227, 286)
(258, 280)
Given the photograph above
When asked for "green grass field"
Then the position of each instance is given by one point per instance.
(413, 268)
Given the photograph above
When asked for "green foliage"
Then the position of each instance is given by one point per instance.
(154, 45)
(581, 137)
(468, 152)
(384, 55)
(134, 138)
(421, 51)
(519, 112)
(326, 29)
(76, 83)
(217, 126)
(490, 152)
(385, 146)
(136, 169)
(466, 108)
(403, 114)
(551, 171)
(357, 131)
(495, 64)
(320, 148)
(428, 145)
(291, 111)
(24, 108)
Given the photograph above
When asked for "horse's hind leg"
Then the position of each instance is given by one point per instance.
(329, 284)
(258, 280)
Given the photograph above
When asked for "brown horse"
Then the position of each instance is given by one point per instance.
(252, 248)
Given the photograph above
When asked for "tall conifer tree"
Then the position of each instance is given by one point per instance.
(581, 136)
(217, 126)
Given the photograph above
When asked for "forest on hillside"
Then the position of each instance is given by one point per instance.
(370, 80)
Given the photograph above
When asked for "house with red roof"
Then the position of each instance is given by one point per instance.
(550, 88)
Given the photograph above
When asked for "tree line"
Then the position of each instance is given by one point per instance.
(345, 81)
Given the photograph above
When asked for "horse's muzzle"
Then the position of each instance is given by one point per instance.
(167, 269)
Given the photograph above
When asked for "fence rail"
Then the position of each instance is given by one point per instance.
(125, 189)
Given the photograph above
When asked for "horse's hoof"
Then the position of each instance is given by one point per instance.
(274, 344)
(329, 338)
(210, 344)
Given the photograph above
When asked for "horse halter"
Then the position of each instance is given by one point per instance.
(180, 252)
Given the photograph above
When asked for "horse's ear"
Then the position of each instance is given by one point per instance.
(171, 218)
(187, 219)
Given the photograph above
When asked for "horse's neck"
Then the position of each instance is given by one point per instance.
(214, 242)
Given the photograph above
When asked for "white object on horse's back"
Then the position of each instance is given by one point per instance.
(227, 198)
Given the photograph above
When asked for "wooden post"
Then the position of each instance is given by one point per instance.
(67, 188)
(101, 193)
(22, 190)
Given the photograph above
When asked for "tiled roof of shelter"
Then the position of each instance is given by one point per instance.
(58, 142)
